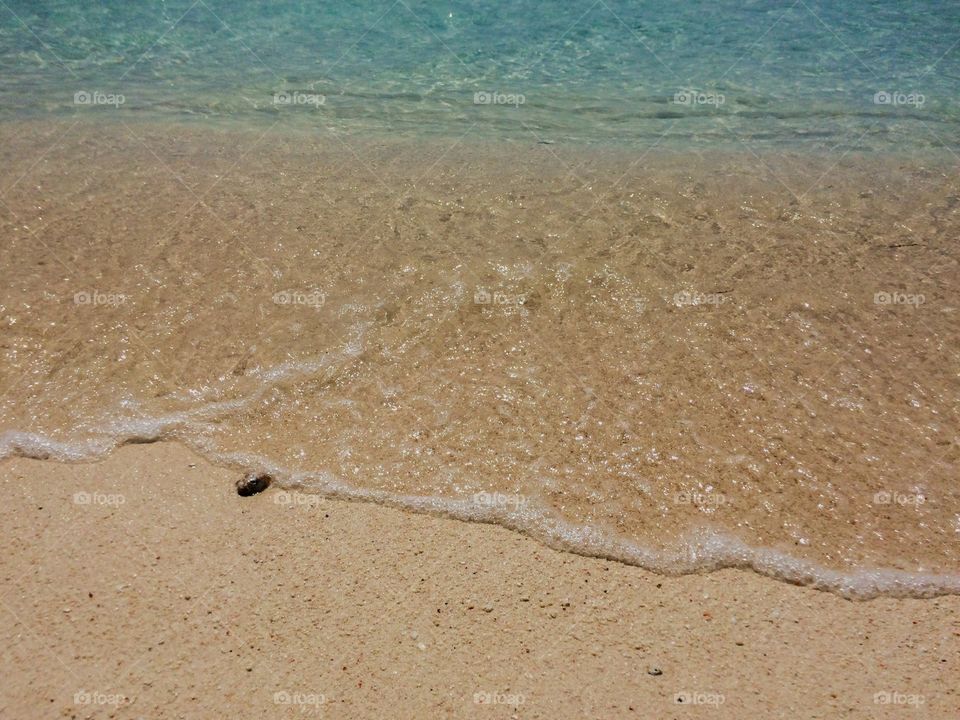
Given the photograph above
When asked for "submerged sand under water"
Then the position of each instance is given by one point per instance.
(681, 361)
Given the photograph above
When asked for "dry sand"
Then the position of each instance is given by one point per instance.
(159, 593)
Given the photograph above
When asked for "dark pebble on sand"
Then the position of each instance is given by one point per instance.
(654, 671)
(252, 484)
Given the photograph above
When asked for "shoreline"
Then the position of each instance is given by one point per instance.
(702, 550)
(273, 604)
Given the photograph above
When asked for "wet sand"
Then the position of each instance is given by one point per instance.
(143, 586)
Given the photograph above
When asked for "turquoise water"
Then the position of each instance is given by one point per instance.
(788, 74)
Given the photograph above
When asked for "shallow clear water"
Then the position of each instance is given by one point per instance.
(670, 362)
(799, 74)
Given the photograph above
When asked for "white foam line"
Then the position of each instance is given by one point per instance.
(22, 444)
(703, 550)
(125, 430)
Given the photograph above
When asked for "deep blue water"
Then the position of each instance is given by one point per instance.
(783, 74)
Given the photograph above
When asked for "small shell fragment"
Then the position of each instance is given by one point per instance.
(252, 483)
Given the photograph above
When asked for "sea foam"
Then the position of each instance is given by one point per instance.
(702, 550)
